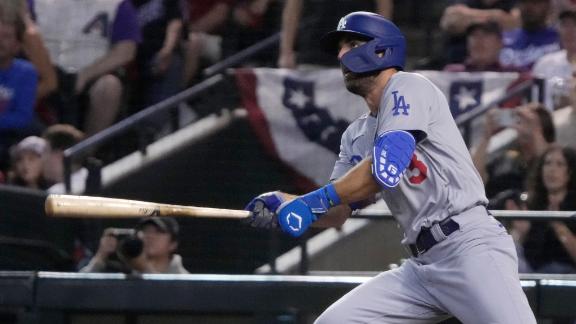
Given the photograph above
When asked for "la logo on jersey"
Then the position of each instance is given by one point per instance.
(399, 104)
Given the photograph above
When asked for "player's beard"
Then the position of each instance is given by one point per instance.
(359, 83)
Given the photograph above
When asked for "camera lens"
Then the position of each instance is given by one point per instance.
(130, 247)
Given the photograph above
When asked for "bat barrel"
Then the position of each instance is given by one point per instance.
(102, 207)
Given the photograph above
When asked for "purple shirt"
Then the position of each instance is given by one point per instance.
(125, 25)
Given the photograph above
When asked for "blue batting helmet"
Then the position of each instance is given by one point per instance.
(386, 46)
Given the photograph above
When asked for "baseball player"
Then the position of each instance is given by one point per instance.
(463, 261)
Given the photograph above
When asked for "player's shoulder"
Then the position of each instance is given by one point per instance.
(411, 80)
(411, 76)
(357, 125)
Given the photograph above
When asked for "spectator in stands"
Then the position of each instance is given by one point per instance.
(518, 229)
(33, 48)
(26, 163)
(18, 82)
(59, 137)
(557, 68)
(558, 6)
(550, 247)
(151, 250)
(98, 39)
(509, 169)
(206, 20)
(524, 45)
(251, 21)
(159, 63)
(299, 48)
(565, 120)
(483, 43)
(459, 16)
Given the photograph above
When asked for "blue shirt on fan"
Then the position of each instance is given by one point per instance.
(522, 48)
(17, 95)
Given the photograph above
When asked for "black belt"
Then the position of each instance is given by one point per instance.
(426, 240)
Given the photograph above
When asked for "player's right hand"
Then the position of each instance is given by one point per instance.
(264, 209)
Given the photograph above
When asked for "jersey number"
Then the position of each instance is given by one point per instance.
(422, 170)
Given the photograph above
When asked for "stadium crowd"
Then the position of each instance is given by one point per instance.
(62, 82)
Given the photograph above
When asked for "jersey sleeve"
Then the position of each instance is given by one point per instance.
(125, 26)
(406, 105)
(344, 162)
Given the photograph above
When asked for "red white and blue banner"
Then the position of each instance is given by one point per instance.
(300, 115)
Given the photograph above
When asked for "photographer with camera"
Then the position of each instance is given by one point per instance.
(148, 248)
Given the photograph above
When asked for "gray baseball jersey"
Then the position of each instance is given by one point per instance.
(441, 180)
(471, 274)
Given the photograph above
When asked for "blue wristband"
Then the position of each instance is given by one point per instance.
(295, 216)
(322, 199)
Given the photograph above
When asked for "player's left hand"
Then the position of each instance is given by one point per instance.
(295, 216)
(263, 210)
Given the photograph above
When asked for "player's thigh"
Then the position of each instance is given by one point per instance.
(394, 296)
(483, 286)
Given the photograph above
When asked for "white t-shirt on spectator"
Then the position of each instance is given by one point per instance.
(78, 183)
(557, 70)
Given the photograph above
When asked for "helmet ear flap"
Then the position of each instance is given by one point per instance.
(373, 56)
(361, 59)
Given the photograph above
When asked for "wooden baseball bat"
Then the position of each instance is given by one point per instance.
(102, 207)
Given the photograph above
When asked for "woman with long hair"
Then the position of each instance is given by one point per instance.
(550, 247)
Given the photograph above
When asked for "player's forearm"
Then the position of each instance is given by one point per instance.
(358, 184)
(121, 54)
(335, 217)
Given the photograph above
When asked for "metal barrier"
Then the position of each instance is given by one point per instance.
(549, 295)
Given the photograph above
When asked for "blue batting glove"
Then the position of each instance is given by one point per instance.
(295, 216)
(263, 210)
